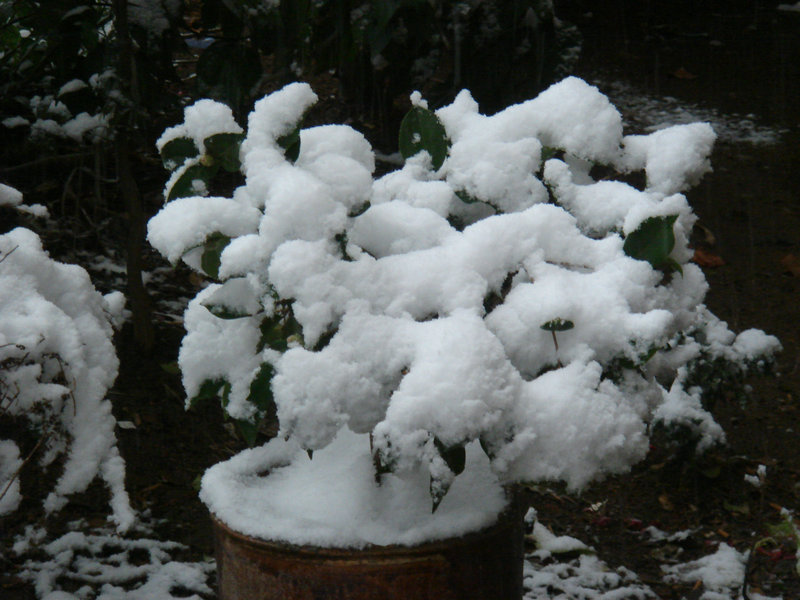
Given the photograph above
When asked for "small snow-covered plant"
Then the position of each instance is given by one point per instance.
(491, 291)
(57, 362)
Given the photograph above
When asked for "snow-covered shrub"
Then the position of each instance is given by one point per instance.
(57, 361)
(491, 290)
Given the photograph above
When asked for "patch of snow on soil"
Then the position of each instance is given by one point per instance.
(101, 565)
(722, 574)
(584, 578)
(650, 113)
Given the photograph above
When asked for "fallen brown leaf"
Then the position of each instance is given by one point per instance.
(706, 258)
(682, 73)
(665, 502)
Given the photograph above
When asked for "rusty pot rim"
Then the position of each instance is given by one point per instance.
(507, 518)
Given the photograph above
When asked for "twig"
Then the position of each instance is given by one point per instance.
(68, 386)
(5, 256)
(45, 435)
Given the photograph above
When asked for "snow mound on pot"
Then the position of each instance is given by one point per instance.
(333, 500)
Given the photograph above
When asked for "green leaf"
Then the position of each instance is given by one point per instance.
(248, 431)
(548, 152)
(224, 149)
(171, 367)
(175, 152)
(671, 265)
(421, 130)
(276, 331)
(653, 241)
(209, 389)
(557, 324)
(212, 251)
(454, 456)
(225, 312)
(291, 144)
(185, 186)
(260, 390)
(465, 197)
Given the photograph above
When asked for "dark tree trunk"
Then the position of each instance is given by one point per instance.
(141, 305)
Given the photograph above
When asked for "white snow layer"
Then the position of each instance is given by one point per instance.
(334, 500)
(58, 363)
(722, 574)
(100, 565)
(414, 355)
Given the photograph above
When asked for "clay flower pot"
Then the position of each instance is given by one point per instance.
(484, 565)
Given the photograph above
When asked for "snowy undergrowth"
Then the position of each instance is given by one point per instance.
(551, 574)
(98, 564)
(57, 362)
(721, 574)
(717, 576)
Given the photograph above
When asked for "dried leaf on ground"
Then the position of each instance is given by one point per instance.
(706, 258)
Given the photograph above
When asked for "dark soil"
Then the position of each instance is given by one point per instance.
(751, 204)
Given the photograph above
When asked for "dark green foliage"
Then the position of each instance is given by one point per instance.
(455, 458)
(653, 241)
(277, 329)
(261, 397)
(223, 148)
(381, 50)
(558, 324)
(228, 71)
(291, 144)
(421, 130)
(260, 392)
(225, 312)
(210, 389)
(185, 186)
(176, 151)
(212, 251)
(614, 368)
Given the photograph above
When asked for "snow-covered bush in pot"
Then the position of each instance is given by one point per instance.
(489, 305)
(57, 362)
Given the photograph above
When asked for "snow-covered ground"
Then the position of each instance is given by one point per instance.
(645, 112)
(98, 564)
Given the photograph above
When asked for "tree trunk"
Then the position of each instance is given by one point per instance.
(141, 305)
